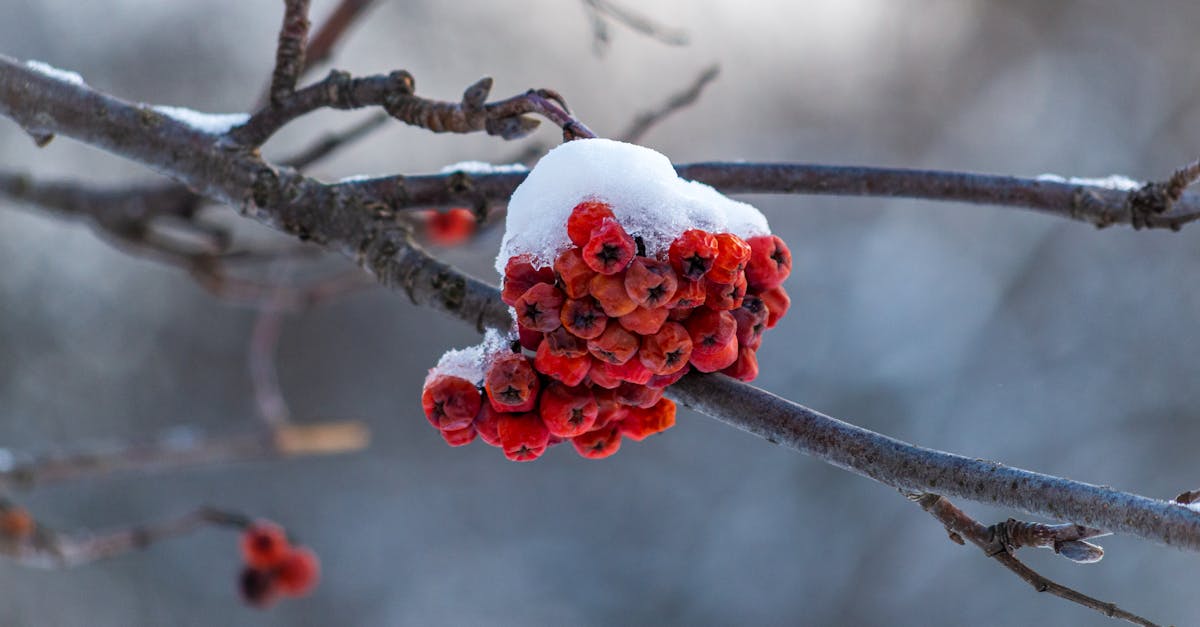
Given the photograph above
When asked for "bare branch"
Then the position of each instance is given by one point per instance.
(333, 30)
(645, 121)
(330, 143)
(46, 548)
(356, 220)
(960, 526)
(184, 448)
(289, 55)
(598, 10)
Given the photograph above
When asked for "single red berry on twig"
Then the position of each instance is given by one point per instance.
(745, 368)
(264, 545)
(725, 296)
(751, 320)
(451, 227)
(298, 573)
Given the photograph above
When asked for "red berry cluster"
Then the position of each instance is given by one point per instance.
(609, 329)
(274, 566)
(451, 227)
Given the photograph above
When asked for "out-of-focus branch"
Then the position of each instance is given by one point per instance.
(289, 54)
(333, 30)
(43, 547)
(331, 143)
(600, 11)
(183, 448)
(348, 218)
(681, 100)
(996, 544)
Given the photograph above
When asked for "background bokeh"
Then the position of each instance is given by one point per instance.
(989, 332)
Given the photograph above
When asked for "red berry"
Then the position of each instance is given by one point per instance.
(598, 443)
(688, 295)
(746, 366)
(681, 314)
(609, 291)
(725, 296)
(615, 346)
(485, 424)
(451, 227)
(450, 402)
(573, 273)
(583, 318)
(585, 218)
(661, 381)
(600, 376)
(528, 338)
(732, 255)
(608, 411)
(770, 262)
(568, 412)
(751, 320)
(645, 321)
(17, 523)
(714, 339)
(565, 369)
(777, 302)
(258, 587)
(642, 423)
(564, 344)
(632, 395)
(519, 276)
(264, 545)
(522, 436)
(650, 283)
(512, 384)
(459, 437)
(715, 359)
(610, 248)
(632, 371)
(299, 572)
(539, 308)
(692, 253)
(666, 351)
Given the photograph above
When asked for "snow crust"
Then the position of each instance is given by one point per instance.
(212, 123)
(471, 363)
(1113, 181)
(646, 195)
(53, 72)
(482, 167)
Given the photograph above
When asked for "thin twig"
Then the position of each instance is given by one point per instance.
(600, 9)
(961, 526)
(681, 100)
(333, 30)
(330, 143)
(289, 55)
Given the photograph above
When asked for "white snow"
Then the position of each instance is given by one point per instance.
(355, 178)
(646, 195)
(212, 123)
(482, 167)
(53, 72)
(471, 363)
(1113, 181)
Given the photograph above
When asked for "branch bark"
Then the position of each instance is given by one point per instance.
(358, 220)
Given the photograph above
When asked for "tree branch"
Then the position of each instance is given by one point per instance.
(289, 55)
(356, 220)
(960, 526)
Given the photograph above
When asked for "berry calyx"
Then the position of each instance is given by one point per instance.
(450, 402)
(583, 318)
(615, 346)
(666, 351)
(264, 545)
(692, 253)
(539, 308)
(610, 248)
(651, 284)
(568, 411)
(512, 384)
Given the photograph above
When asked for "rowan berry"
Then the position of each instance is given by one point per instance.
(583, 318)
(16, 523)
(512, 384)
(681, 314)
(451, 227)
(528, 338)
(732, 255)
(650, 283)
(257, 587)
(610, 248)
(566, 369)
(609, 291)
(519, 276)
(459, 437)
(568, 411)
(751, 320)
(632, 371)
(615, 346)
(632, 395)
(573, 274)
(299, 572)
(689, 295)
(485, 424)
(599, 375)
(725, 296)
(539, 308)
(662, 381)
(264, 545)
(642, 423)
(564, 344)
(692, 253)
(608, 409)
(745, 368)
(714, 339)
(777, 302)
(450, 402)
(522, 436)
(598, 443)
(586, 218)
(645, 321)
(666, 351)
(770, 262)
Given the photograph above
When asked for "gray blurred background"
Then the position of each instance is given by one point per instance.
(990, 332)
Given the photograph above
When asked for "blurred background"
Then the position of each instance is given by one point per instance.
(994, 333)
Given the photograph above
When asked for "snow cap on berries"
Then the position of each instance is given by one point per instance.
(647, 198)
